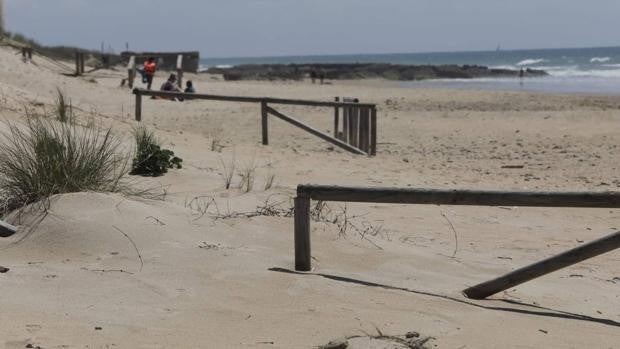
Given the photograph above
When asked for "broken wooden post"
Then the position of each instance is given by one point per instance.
(138, 106)
(336, 118)
(364, 128)
(180, 71)
(346, 111)
(303, 257)
(6, 229)
(549, 265)
(264, 122)
(373, 131)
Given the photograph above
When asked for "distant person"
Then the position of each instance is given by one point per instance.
(150, 67)
(322, 76)
(313, 75)
(521, 73)
(189, 87)
(170, 84)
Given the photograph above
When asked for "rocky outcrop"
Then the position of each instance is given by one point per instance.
(364, 71)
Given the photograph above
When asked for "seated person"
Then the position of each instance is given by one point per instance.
(170, 85)
(189, 87)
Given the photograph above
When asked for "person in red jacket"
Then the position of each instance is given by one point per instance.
(149, 71)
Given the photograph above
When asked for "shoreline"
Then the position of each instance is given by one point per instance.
(354, 71)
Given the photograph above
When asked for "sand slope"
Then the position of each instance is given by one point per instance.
(207, 281)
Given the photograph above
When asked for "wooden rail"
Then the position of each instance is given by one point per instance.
(243, 99)
(306, 193)
(369, 146)
(6, 229)
(549, 265)
(315, 132)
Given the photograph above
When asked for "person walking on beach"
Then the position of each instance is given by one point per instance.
(313, 75)
(322, 76)
(150, 67)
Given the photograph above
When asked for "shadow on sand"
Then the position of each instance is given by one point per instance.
(532, 309)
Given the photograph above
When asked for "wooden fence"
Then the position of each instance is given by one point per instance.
(267, 109)
(306, 193)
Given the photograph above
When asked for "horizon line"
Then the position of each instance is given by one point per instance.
(415, 52)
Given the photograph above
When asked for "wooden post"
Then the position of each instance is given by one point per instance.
(77, 64)
(355, 127)
(82, 63)
(180, 70)
(346, 111)
(303, 257)
(6, 230)
(131, 71)
(373, 131)
(336, 118)
(265, 122)
(138, 106)
(549, 265)
(364, 128)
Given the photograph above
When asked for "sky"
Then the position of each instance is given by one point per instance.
(250, 28)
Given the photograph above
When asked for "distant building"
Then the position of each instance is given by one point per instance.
(2, 18)
(167, 60)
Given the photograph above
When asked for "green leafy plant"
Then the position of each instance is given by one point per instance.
(46, 157)
(150, 159)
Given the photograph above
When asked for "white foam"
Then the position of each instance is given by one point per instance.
(509, 67)
(596, 73)
(531, 62)
(611, 65)
(600, 60)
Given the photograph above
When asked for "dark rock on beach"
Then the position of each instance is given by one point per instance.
(365, 71)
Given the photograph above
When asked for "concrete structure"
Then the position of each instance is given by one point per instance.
(2, 29)
(167, 60)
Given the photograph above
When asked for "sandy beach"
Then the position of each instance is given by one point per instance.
(208, 273)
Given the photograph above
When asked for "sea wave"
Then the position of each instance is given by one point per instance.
(531, 61)
(203, 68)
(600, 59)
(594, 73)
(611, 65)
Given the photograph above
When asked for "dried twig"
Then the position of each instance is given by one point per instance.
(456, 237)
(134, 246)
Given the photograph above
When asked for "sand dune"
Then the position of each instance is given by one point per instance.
(107, 271)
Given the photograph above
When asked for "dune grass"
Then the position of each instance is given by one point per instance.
(46, 157)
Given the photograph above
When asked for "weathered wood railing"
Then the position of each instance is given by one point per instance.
(266, 110)
(6, 229)
(306, 193)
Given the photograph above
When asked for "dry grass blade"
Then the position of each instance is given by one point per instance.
(134, 246)
(248, 175)
(228, 171)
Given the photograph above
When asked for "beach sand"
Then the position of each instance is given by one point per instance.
(219, 280)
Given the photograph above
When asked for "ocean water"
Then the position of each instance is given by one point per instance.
(574, 70)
